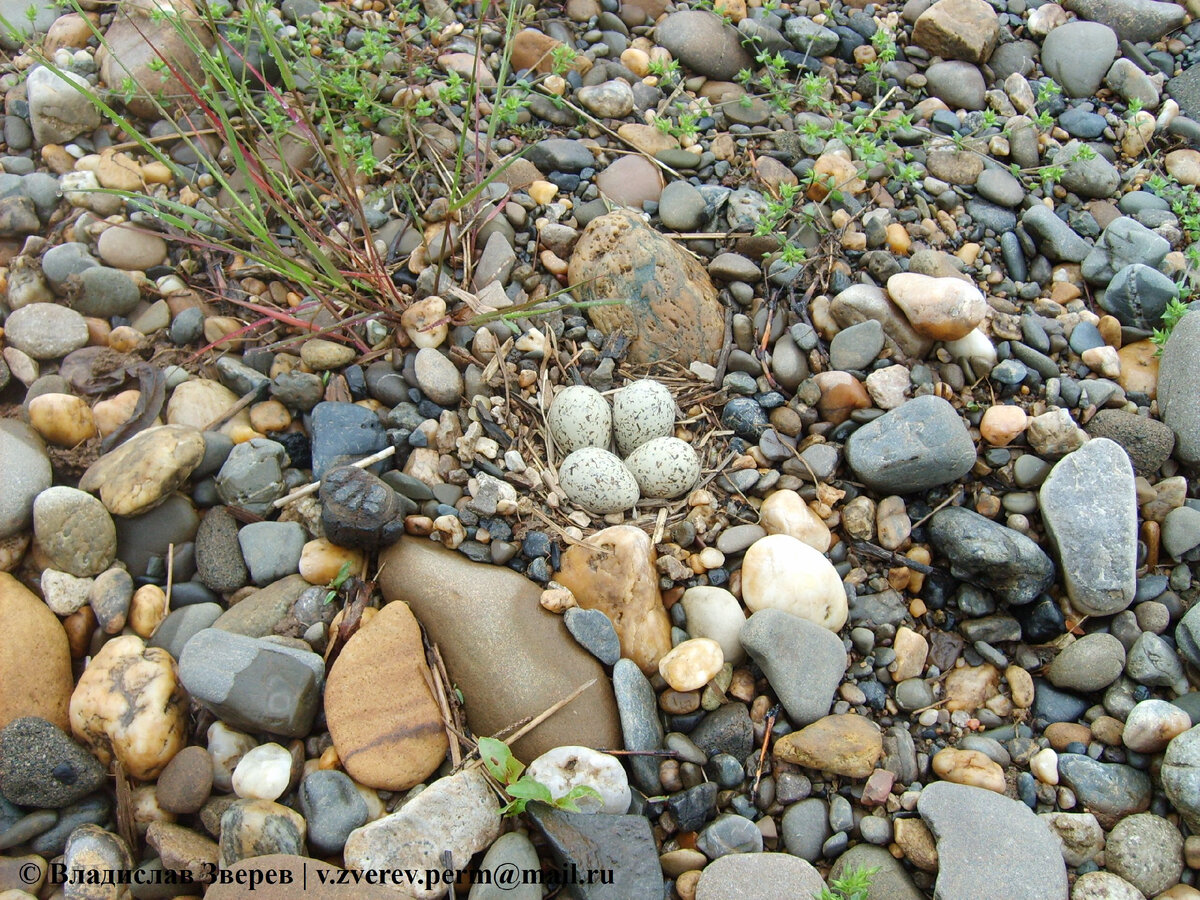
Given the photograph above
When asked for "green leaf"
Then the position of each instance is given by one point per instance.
(526, 788)
(570, 801)
(498, 759)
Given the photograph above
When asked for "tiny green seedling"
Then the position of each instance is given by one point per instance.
(853, 884)
(1176, 309)
(521, 789)
(337, 581)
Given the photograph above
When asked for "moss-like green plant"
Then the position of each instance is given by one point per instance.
(853, 884)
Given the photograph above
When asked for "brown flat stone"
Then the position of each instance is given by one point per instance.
(383, 718)
(510, 657)
(35, 659)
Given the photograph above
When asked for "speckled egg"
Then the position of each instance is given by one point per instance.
(664, 467)
(598, 481)
(579, 417)
(642, 410)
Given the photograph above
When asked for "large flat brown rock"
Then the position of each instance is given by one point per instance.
(509, 657)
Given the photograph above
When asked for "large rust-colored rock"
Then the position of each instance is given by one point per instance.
(35, 659)
(620, 580)
(845, 745)
(510, 658)
(532, 49)
(384, 721)
(670, 308)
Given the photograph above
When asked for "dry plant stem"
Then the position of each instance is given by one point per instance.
(224, 417)
(316, 485)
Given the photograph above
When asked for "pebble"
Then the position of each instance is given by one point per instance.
(512, 851)
(74, 530)
(1147, 851)
(982, 835)
(564, 768)
(919, 445)
(988, 555)
(129, 704)
(757, 877)
(594, 631)
(1089, 507)
(714, 613)
(785, 512)
(45, 330)
(130, 248)
(186, 782)
(1177, 381)
(271, 551)
(263, 773)
(457, 814)
(1089, 664)
(142, 472)
(252, 828)
(778, 641)
(780, 572)
(845, 744)
(41, 767)
(691, 664)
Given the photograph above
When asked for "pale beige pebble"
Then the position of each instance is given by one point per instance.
(1104, 360)
(785, 512)
(143, 471)
(62, 419)
(24, 367)
(125, 339)
(1054, 432)
(147, 610)
(1002, 424)
(556, 598)
(892, 523)
(73, 31)
(269, 415)
(1044, 766)
(128, 703)
(217, 328)
(832, 171)
(781, 572)
(118, 172)
(969, 687)
(321, 355)
(1179, 892)
(542, 192)
(970, 767)
(1151, 725)
(155, 172)
(1184, 166)
(691, 664)
(113, 412)
(321, 560)
(145, 809)
(890, 386)
(636, 61)
(858, 518)
(944, 309)
(200, 401)
(1020, 686)
(64, 593)
(916, 842)
(128, 247)
(911, 650)
(425, 322)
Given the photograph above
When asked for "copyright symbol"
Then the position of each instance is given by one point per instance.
(506, 876)
(30, 873)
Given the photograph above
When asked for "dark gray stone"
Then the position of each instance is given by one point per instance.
(219, 561)
(252, 683)
(332, 807)
(595, 633)
(637, 706)
(1179, 386)
(991, 556)
(918, 445)
(42, 767)
(622, 845)
(1109, 790)
(344, 433)
(803, 661)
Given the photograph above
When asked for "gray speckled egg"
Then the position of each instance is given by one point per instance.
(579, 417)
(642, 410)
(665, 467)
(598, 481)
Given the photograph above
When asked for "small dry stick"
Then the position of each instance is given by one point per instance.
(232, 411)
(170, 572)
(921, 521)
(316, 485)
(762, 754)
